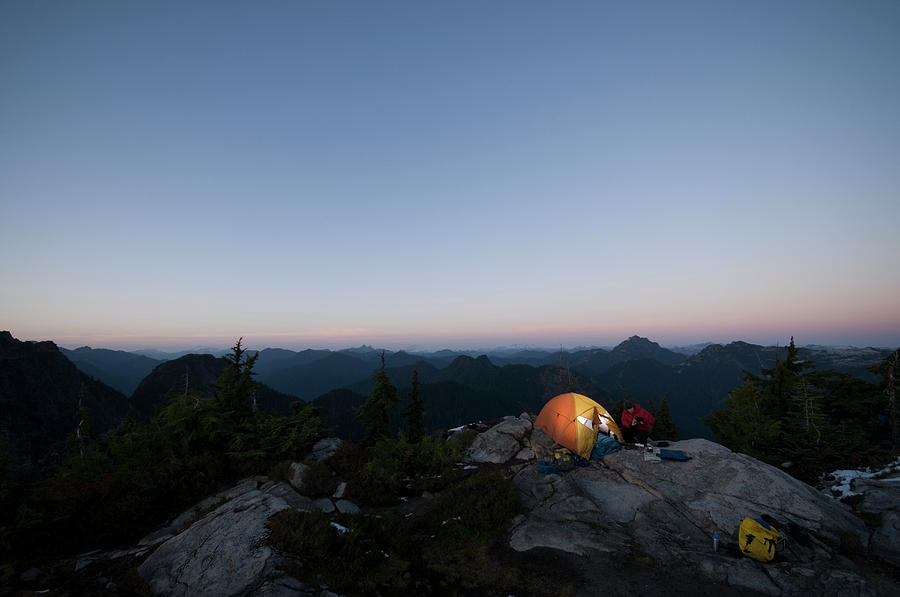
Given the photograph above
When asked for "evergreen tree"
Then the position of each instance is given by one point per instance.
(806, 445)
(778, 384)
(414, 411)
(664, 428)
(376, 410)
(83, 429)
(890, 372)
(745, 424)
(234, 388)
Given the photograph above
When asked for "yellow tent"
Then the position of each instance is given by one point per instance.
(573, 421)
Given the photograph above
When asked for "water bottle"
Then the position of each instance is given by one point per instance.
(715, 541)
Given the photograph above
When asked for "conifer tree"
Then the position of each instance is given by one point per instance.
(890, 370)
(744, 425)
(83, 429)
(778, 384)
(664, 427)
(808, 442)
(414, 411)
(235, 385)
(375, 412)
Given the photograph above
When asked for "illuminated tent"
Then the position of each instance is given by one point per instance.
(573, 421)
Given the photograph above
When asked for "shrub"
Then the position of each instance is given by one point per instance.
(318, 479)
(352, 552)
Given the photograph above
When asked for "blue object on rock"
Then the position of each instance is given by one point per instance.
(674, 455)
(605, 445)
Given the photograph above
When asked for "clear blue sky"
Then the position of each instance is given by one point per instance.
(459, 174)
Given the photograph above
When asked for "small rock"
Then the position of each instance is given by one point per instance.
(30, 575)
(325, 448)
(298, 472)
(323, 505)
(347, 507)
(525, 454)
(513, 426)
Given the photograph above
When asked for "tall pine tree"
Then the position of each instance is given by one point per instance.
(664, 427)
(745, 424)
(375, 412)
(235, 386)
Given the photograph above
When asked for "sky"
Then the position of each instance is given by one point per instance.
(324, 174)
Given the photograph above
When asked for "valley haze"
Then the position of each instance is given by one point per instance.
(172, 349)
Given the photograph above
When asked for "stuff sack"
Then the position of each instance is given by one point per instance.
(759, 540)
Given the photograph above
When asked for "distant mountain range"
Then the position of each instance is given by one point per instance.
(458, 386)
(117, 368)
(694, 383)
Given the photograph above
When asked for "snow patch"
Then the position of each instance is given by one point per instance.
(841, 481)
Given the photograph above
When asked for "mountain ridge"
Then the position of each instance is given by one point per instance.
(638, 368)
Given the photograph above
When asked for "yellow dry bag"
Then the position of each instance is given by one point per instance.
(759, 540)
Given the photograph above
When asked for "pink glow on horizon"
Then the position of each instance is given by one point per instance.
(540, 336)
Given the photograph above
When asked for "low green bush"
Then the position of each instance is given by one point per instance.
(352, 552)
(318, 480)
(382, 474)
(451, 550)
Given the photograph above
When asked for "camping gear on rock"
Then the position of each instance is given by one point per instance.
(574, 421)
(605, 445)
(563, 460)
(759, 540)
(674, 455)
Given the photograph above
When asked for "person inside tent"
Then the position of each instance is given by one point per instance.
(637, 423)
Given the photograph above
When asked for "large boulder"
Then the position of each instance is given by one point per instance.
(717, 488)
(502, 442)
(880, 502)
(224, 553)
(666, 512)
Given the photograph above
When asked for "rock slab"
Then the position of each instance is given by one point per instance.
(223, 554)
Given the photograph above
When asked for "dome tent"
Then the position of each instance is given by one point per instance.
(573, 421)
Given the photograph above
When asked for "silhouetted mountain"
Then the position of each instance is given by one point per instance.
(592, 362)
(459, 388)
(116, 368)
(272, 360)
(690, 348)
(161, 355)
(196, 372)
(190, 372)
(639, 378)
(443, 358)
(40, 391)
(469, 390)
(535, 358)
(401, 377)
(337, 370)
(853, 361)
(366, 353)
(641, 348)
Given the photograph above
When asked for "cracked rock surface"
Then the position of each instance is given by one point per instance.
(223, 553)
(664, 513)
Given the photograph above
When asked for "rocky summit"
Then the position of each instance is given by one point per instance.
(627, 523)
